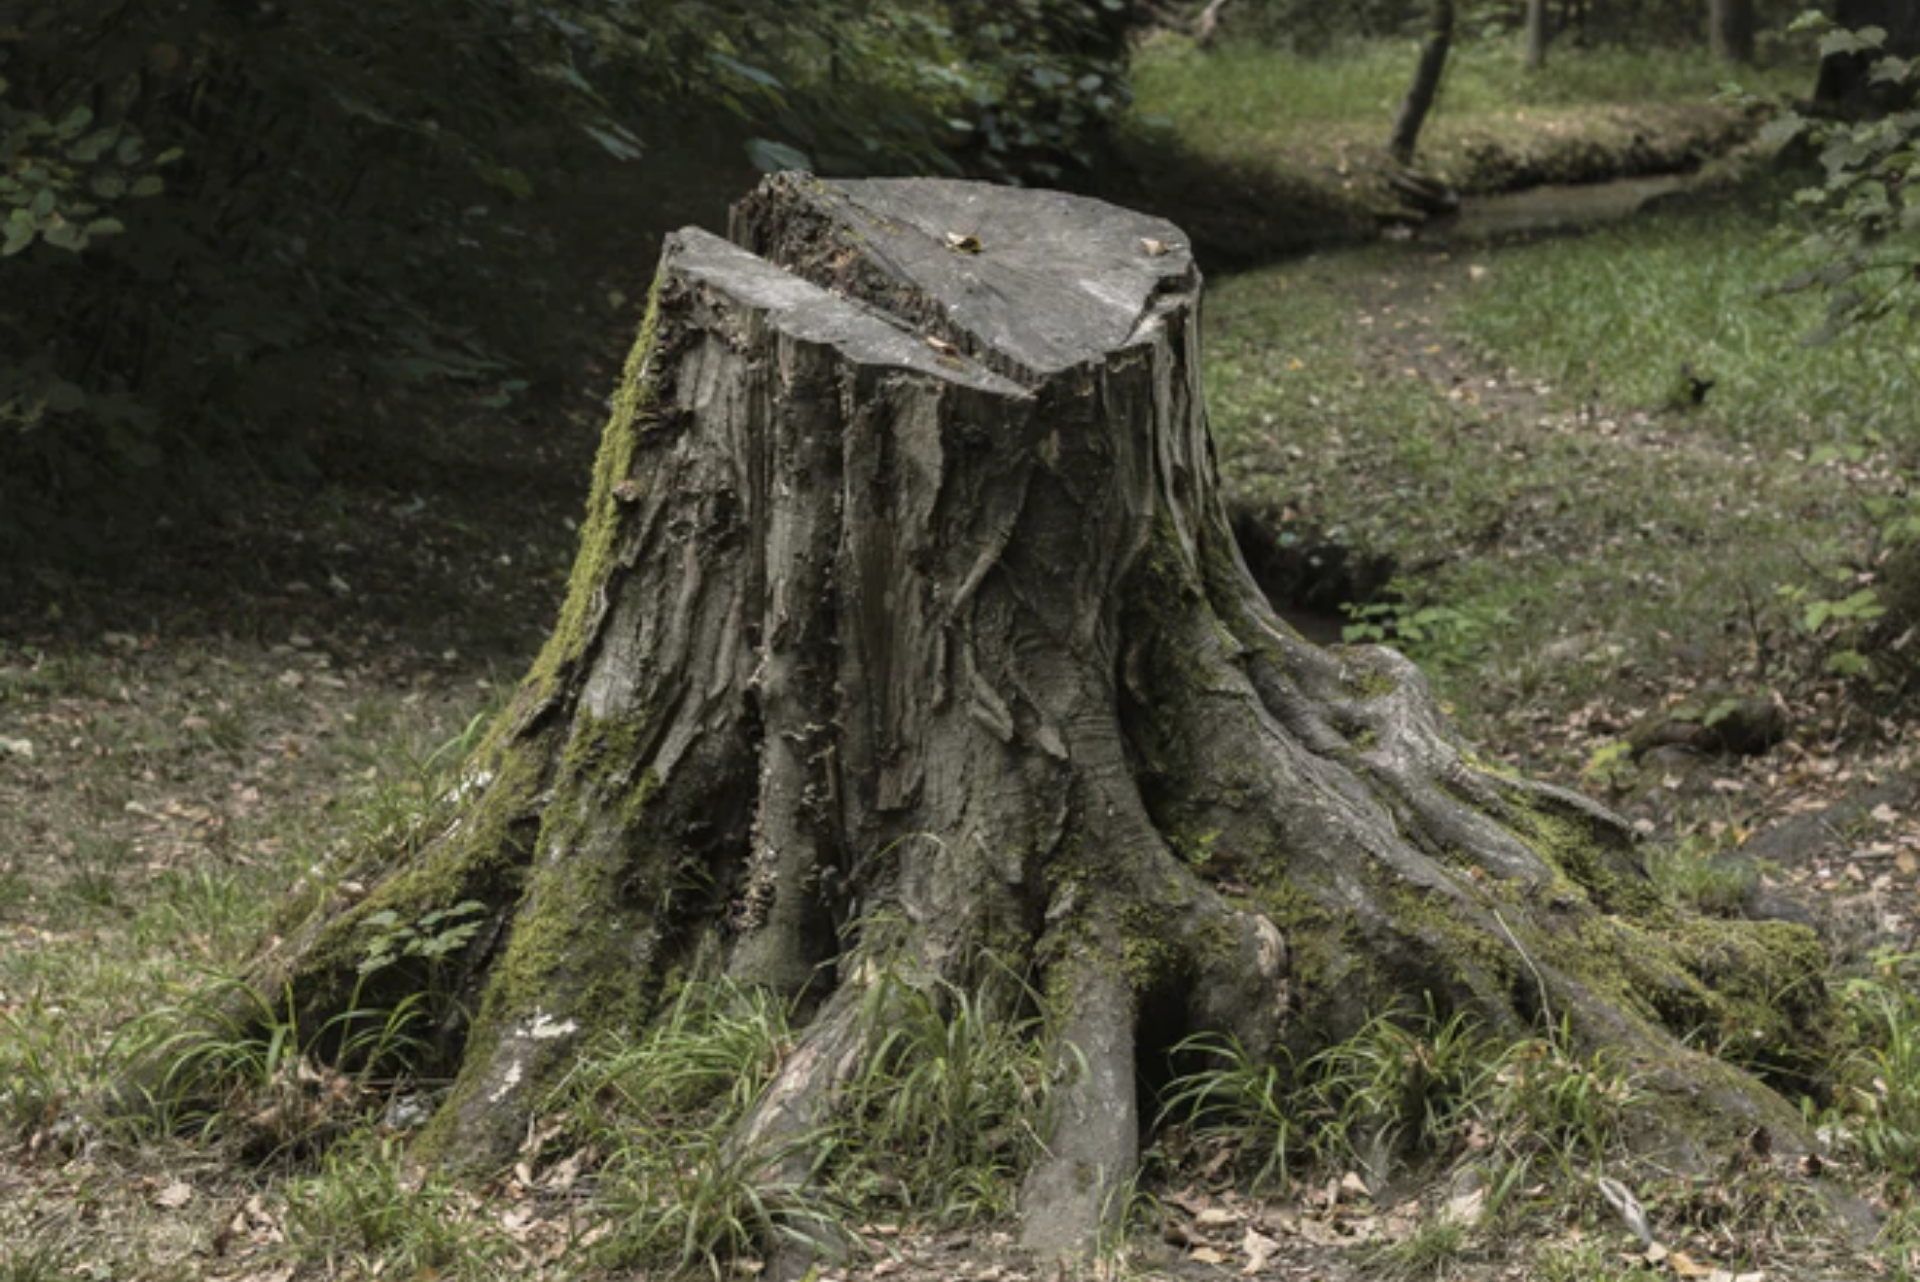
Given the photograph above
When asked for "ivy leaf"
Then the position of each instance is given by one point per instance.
(75, 123)
(1839, 42)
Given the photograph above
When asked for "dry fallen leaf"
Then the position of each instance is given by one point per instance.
(1155, 248)
(960, 243)
(1215, 1215)
(1685, 1266)
(174, 1196)
(1207, 1255)
(1258, 1248)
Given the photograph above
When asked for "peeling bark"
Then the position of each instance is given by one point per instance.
(907, 593)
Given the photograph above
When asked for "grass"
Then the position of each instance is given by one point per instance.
(1249, 105)
(1405, 1091)
(1506, 428)
(1878, 1112)
(364, 1211)
(1543, 555)
(1622, 309)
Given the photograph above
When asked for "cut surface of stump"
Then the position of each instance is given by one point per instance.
(907, 606)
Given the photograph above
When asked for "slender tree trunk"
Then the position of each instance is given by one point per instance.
(1536, 34)
(908, 621)
(1730, 30)
(1426, 84)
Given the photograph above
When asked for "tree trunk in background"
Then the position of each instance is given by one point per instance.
(1730, 30)
(1426, 84)
(1846, 87)
(1536, 34)
(908, 623)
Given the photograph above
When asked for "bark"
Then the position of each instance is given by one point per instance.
(1426, 84)
(1536, 34)
(908, 594)
(1730, 30)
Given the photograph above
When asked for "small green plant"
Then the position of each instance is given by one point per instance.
(702, 1203)
(703, 1062)
(1879, 1109)
(38, 1259)
(429, 940)
(1241, 1100)
(231, 1058)
(1837, 623)
(37, 1066)
(1436, 1243)
(948, 1107)
(1442, 635)
(1548, 1101)
(365, 1211)
(1697, 876)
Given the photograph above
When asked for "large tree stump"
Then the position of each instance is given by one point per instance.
(907, 594)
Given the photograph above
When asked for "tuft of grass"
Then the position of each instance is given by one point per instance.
(1246, 1102)
(948, 1108)
(1878, 1113)
(231, 1059)
(1405, 1087)
(1548, 1101)
(1436, 1243)
(677, 1189)
(699, 1203)
(41, 1259)
(40, 1067)
(1401, 1084)
(365, 1212)
(704, 1061)
(1698, 876)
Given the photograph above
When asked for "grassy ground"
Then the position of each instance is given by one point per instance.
(1579, 543)
(1317, 126)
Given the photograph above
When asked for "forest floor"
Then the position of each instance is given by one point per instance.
(178, 753)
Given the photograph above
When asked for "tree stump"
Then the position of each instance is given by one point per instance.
(907, 594)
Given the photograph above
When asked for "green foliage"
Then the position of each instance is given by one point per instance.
(366, 1210)
(62, 181)
(680, 1192)
(1439, 636)
(704, 1060)
(1865, 245)
(1243, 1100)
(1877, 1113)
(696, 1202)
(233, 1060)
(39, 1067)
(937, 1121)
(1403, 1088)
(946, 1111)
